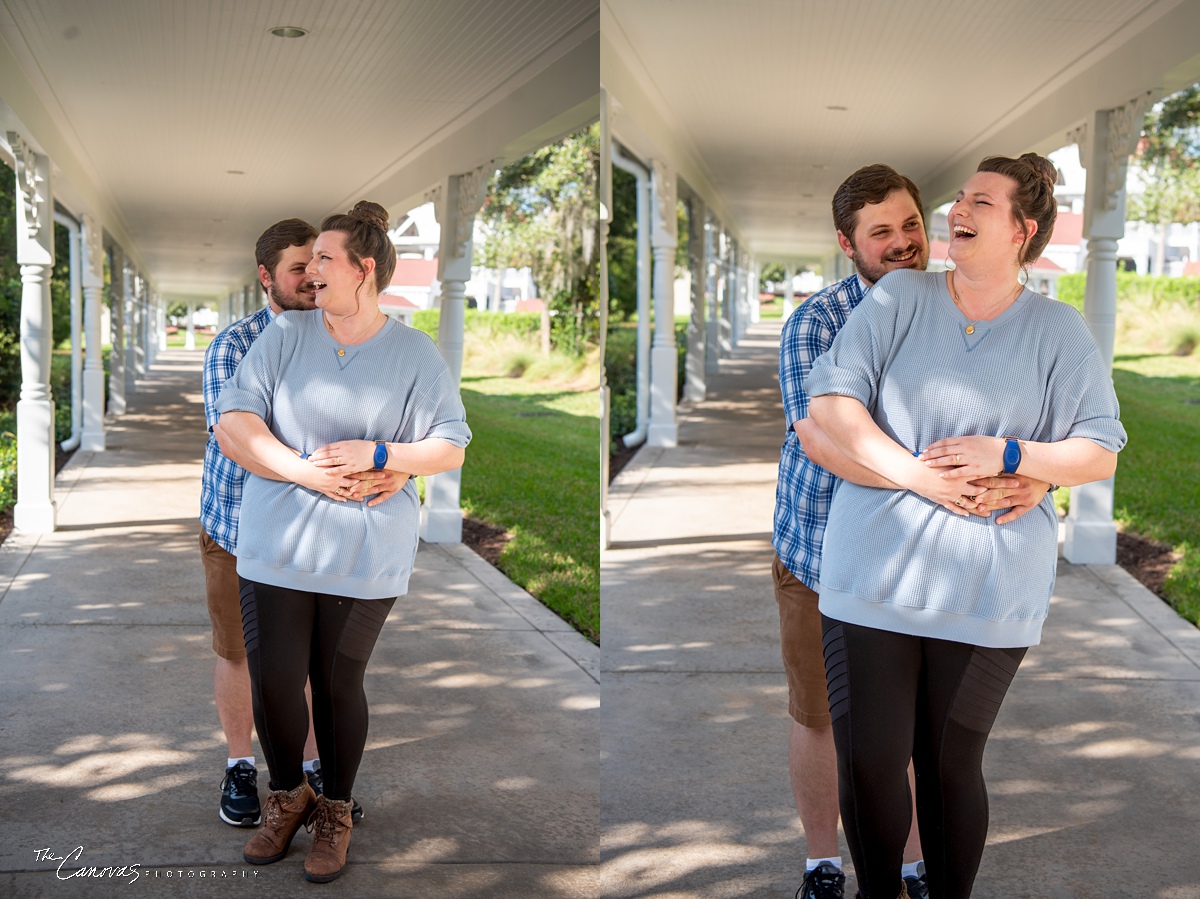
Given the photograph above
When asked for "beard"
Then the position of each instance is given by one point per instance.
(291, 302)
(872, 271)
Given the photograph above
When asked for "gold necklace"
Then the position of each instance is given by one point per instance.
(970, 328)
(342, 348)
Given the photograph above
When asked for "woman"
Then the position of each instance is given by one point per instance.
(321, 396)
(926, 615)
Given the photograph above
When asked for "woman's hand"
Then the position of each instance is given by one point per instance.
(256, 445)
(345, 457)
(966, 457)
(381, 484)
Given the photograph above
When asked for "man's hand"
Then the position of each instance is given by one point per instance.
(1015, 492)
(381, 484)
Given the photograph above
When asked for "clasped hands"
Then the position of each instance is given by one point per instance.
(970, 479)
(345, 471)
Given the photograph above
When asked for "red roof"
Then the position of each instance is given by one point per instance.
(531, 305)
(414, 272)
(939, 251)
(395, 301)
(1068, 229)
(1042, 264)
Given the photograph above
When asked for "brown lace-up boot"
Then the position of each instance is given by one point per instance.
(330, 826)
(285, 813)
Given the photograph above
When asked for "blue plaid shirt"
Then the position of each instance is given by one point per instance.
(805, 489)
(221, 484)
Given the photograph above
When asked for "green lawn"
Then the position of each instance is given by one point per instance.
(531, 469)
(179, 338)
(1158, 476)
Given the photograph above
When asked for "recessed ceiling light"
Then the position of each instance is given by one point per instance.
(838, 108)
(288, 31)
(234, 172)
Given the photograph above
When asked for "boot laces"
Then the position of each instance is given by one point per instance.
(324, 821)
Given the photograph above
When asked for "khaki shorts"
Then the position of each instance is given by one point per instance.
(224, 599)
(803, 654)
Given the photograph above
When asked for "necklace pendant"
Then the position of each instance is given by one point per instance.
(343, 352)
(970, 329)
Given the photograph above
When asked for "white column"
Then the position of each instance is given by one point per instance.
(160, 317)
(92, 437)
(664, 358)
(76, 284)
(712, 329)
(644, 200)
(789, 292)
(455, 202)
(35, 509)
(189, 341)
(1105, 143)
(117, 357)
(133, 330)
(695, 386)
(755, 307)
(604, 189)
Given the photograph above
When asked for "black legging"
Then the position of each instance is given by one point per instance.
(893, 696)
(292, 635)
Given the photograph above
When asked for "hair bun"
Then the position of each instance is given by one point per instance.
(1043, 168)
(371, 213)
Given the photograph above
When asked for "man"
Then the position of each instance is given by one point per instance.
(880, 227)
(282, 252)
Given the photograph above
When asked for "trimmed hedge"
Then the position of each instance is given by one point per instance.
(1147, 290)
(483, 324)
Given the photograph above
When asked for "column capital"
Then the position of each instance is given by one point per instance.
(92, 242)
(1106, 141)
(664, 221)
(35, 226)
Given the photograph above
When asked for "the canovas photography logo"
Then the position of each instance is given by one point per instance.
(71, 865)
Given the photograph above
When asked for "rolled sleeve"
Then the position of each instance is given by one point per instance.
(252, 385)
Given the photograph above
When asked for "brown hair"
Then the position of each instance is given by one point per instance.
(870, 184)
(277, 238)
(365, 227)
(1032, 197)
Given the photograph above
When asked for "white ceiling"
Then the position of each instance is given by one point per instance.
(162, 99)
(928, 86)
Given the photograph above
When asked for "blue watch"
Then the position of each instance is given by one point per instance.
(1012, 455)
(381, 455)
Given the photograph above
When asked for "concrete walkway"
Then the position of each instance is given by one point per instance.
(480, 777)
(1093, 766)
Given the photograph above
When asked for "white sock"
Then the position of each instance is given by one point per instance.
(811, 863)
(229, 763)
(311, 765)
(910, 869)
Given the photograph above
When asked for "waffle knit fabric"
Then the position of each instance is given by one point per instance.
(896, 561)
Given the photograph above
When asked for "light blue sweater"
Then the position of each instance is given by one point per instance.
(393, 387)
(896, 561)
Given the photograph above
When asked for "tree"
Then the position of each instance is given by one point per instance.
(542, 212)
(1169, 157)
(772, 273)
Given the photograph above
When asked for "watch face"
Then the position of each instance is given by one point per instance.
(381, 455)
(1012, 456)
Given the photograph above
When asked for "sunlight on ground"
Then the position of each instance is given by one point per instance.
(580, 703)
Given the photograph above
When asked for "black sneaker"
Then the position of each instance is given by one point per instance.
(318, 784)
(239, 796)
(823, 882)
(917, 887)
